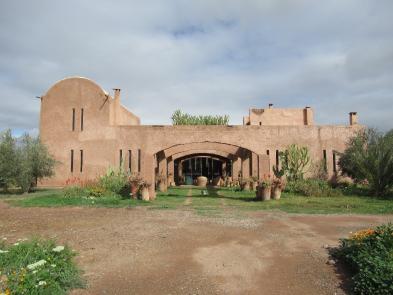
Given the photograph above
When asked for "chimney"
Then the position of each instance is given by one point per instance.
(270, 105)
(353, 118)
(117, 94)
(308, 116)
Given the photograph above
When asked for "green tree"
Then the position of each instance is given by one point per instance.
(8, 160)
(369, 156)
(294, 161)
(35, 162)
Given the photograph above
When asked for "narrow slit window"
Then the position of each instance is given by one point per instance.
(324, 160)
(120, 158)
(73, 119)
(81, 163)
(267, 152)
(277, 158)
(72, 161)
(82, 112)
(334, 162)
(129, 159)
(139, 160)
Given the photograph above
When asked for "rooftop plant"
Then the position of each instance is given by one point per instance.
(180, 118)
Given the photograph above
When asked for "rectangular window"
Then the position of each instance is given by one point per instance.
(72, 161)
(277, 158)
(324, 160)
(121, 157)
(139, 160)
(73, 119)
(82, 119)
(267, 152)
(334, 162)
(129, 159)
(81, 168)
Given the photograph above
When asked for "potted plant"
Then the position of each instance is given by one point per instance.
(161, 182)
(245, 184)
(277, 184)
(254, 183)
(144, 191)
(201, 181)
(135, 181)
(264, 189)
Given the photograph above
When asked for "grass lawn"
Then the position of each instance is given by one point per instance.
(216, 202)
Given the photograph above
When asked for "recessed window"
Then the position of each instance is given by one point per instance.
(81, 163)
(72, 161)
(73, 119)
(277, 158)
(139, 160)
(82, 113)
(334, 162)
(121, 157)
(129, 159)
(324, 160)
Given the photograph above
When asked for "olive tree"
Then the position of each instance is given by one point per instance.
(369, 157)
(8, 159)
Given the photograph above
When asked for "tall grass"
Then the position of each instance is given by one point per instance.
(180, 118)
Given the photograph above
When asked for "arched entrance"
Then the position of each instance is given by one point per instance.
(188, 168)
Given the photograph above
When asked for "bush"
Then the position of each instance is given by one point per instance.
(369, 255)
(312, 188)
(114, 181)
(37, 267)
(369, 157)
(294, 161)
(180, 118)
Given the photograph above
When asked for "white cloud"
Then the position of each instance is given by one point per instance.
(202, 56)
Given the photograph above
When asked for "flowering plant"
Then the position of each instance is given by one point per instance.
(266, 181)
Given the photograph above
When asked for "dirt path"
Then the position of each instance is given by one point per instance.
(142, 251)
(188, 200)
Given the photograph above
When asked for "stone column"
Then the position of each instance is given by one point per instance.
(246, 167)
(264, 166)
(171, 170)
(236, 168)
(224, 169)
(147, 172)
(254, 164)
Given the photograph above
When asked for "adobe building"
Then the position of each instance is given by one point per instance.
(88, 130)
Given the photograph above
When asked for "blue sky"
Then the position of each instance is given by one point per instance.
(204, 57)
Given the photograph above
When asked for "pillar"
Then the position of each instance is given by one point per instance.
(147, 172)
(246, 166)
(171, 170)
(224, 169)
(264, 166)
(236, 168)
(254, 165)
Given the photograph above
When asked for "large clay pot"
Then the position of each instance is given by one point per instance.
(217, 181)
(246, 186)
(254, 185)
(276, 193)
(134, 190)
(266, 193)
(202, 181)
(145, 194)
(162, 187)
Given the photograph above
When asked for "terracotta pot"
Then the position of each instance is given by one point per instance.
(162, 187)
(145, 194)
(254, 185)
(246, 186)
(202, 181)
(265, 193)
(134, 190)
(276, 193)
(217, 181)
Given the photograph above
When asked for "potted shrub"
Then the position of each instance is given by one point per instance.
(144, 191)
(202, 181)
(245, 184)
(254, 183)
(277, 187)
(161, 183)
(278, 183)
(264, 189)
(135, 181)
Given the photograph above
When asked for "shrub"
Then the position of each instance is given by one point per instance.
(37, 267)
(180, 118)
(369, 255)
(369, 157)
(114, 181)
(294, 161)
(74, 192)
(312, 188)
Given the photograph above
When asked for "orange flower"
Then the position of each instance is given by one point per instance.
(362, 234)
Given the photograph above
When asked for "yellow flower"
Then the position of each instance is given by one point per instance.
(362, 234)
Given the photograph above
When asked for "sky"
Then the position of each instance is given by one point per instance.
(202, 56)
